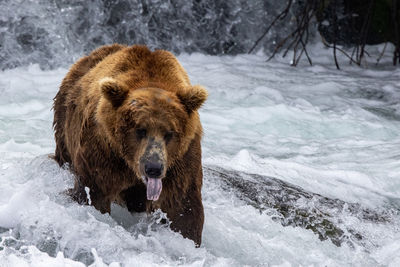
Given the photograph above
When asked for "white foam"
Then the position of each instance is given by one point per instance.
(36, 258)
(87, 190)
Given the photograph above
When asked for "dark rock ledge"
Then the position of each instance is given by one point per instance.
(291, 205)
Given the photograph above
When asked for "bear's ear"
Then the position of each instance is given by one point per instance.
(192, 98)
(113, 91)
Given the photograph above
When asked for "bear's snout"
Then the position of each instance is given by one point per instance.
(153, 166)
(153, 169)
(153, 161)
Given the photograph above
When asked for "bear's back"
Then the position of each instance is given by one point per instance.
(68, 89)
(138, 67)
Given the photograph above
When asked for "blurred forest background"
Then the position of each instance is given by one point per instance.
(55, 33)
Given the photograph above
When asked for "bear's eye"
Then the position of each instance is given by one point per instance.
(141, 133)
(168, 136)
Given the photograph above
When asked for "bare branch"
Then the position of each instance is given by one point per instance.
(381, 54)
(281, 16)
(335, 27)
(396, 54)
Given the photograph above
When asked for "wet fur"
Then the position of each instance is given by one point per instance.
(94, 114)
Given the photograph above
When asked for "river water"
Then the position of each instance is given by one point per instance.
(331, 133)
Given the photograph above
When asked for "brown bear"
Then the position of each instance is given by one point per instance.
(126, 121)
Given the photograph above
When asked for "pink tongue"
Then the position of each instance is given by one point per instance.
(154, 187)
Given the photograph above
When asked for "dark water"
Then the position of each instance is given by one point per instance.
(56, 32)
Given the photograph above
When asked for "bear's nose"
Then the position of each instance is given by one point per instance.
(153, 169)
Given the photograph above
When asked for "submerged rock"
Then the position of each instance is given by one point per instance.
(291, 205)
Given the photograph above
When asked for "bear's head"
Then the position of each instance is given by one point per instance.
(151, 128)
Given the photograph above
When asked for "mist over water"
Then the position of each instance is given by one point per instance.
(57, 32)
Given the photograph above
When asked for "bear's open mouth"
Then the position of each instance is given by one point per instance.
(154, 187)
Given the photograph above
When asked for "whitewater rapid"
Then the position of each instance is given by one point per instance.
(332, 133)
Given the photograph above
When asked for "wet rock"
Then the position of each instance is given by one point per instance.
(291, 205)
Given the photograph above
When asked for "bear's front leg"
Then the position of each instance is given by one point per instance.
(92, 197)
(189, 218)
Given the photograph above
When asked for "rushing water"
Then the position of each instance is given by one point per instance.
(55, 32)
(313, 142)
